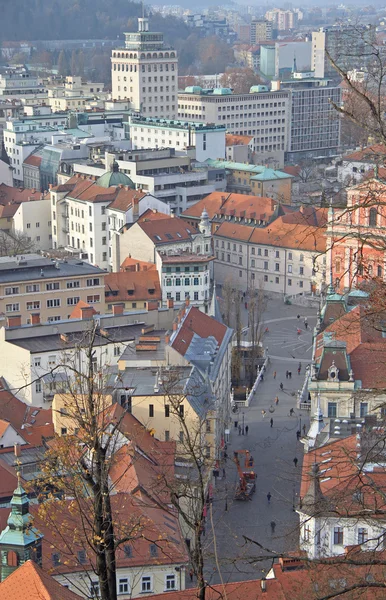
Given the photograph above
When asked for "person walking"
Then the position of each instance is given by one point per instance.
(304, 429)
(191, 573)
(239, 429)
(306, 323)
(286, 374)
(262, 376)
(274, 374)
(271, 422)
(299, 369)
(273, 527)
(281, 386)
(246, 429)
(290, 374)
(298, 317)
(298, 434)
(291, 412)
(295, 461)
(263, 412)
(269, 496)
(277, 400)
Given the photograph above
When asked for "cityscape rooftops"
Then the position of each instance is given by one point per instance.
(222, 204)
(166, 231)
(33, 266)
(132, 286)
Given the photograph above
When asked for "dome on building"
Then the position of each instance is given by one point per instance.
(222, 91)
(114, 177)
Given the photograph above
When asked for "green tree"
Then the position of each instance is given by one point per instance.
(63, 68)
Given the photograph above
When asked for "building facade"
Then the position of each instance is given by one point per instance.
(207, 140)
(261, 113)
(145, 72)
(261, 31)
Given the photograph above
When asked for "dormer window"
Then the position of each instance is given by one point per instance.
(130, 292)
(333, 372)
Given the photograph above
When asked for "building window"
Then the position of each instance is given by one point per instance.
(11, 291)
(167, 410)
(32, 288)
(38, 386)
(277, 254)
(373, 215)
(289, 282)
(259, 252)
(54, 303)
(277, 280)
(123, 586)
(167, 435)
(94, 589)
(146, 583)
(187, 281)
(364, 409)
(181, 437)
(55, 557)
(93, 299)
(181, 410)
(12, 307)
(265, 252)
(35, 305)
(266, 265)
(338, 535)
(277, 267)
(195, 296)
(289, 255)
(301, 270)
(73, 301)
(54, 285)
(92, 282)
(300, 284)
(306, 533)
(128, 551)
(151, 410)
(362, 535)
(331, 410)
(379, 271)
(265, 278)
(37, 361)
(289, 268)
(82, 558)
(170, 582)
(153, 550)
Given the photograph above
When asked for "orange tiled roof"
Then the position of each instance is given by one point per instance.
(77, 312)
(29, 580)
(166, 231)
(237, 140)
(14, 195)
(143, 285)
(33, 160)
(278, 233)
(369, 154)
(125, 199)
(236, 205)
(132, 264)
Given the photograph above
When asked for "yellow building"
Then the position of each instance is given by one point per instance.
(67, 410)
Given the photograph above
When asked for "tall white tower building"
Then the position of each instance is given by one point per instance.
(145, 72)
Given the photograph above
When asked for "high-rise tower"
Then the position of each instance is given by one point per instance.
(145, 72)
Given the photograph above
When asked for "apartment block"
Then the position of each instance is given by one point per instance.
(261, 113)
(145, 72)
(261, 31)
(34, 288)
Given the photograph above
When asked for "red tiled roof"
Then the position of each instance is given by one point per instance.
(29, 580)
(33, 160)
(223, 203)
(11, 195)
(125, 198)
(237, 140)
(3, 427)
(77, 312)
(166, 231)
(132, 264)
(369, 154)
(197, 322)
(234, 231)
(144, 285)
(152, 215)
(307, 215)
(293, 170)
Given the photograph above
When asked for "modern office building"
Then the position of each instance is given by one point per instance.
(145, 72)
(261, 113)
(314, 122)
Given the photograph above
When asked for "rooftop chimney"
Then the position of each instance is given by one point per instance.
(170, 303)
(118, 309)
(87, 312)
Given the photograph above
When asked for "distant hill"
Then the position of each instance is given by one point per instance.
(78, 19)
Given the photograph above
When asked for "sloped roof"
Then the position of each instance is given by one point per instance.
(10, 195)
(125, 199)
(86, 189)
(166, 231)
(77, 311)
(29, 579)
(33, 160)
(132, 264)
(369, 154)
(237, 140)
(197, 322)
(143, 285)
(236, 205)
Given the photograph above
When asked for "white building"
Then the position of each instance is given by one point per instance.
(261, 113)
(182, 256)
(145, 71)
(33, 219)
(207, 140)
(20, 83)
(337, 492)
(285, 256)
(88, 216)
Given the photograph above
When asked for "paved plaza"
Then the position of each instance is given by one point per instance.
(272, 524)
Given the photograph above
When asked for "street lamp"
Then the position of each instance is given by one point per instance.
(243, 425)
